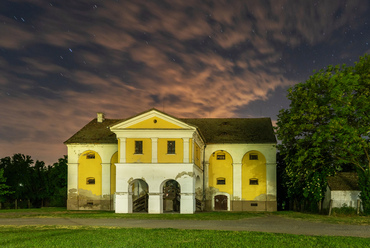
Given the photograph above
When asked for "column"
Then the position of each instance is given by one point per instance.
(122, 152)
(105, 173)
(186, 150)
(237, 180)
(72, 201)
(154, 150)
(123, 199)
(155, 205)
(271, 203)
(187, 203)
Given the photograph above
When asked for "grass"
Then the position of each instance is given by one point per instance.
(61, 236)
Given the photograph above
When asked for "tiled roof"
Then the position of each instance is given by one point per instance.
(95, 132)
(235, 130)
(214, 130)
(344, 181)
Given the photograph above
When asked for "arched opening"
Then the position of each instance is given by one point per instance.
(220, 202)
(139, 190)
(254, 176)
(171, 196)
(220, 173)
(89, 180)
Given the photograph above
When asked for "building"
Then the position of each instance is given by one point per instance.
(155, 162)
(342, 191)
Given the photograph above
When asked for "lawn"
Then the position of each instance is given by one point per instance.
(62, 236)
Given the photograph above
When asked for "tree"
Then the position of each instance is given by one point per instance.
(58, 179)
(326, 128)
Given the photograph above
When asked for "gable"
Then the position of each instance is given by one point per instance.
(155, 123)
(152, 119)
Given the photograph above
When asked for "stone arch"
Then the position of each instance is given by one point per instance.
(89, 179)
(171, 195)
(254, 176)
(221, 166)
(139, 190)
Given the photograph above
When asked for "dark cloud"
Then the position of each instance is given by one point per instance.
(63, 61)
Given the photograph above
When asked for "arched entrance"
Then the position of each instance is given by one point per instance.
(171, 196)
(139, 190)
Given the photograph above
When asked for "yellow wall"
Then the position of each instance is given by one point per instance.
(113, 160)
(90, 168)
(163, 157)
(155, 123)
(131, 157)
(253, 169)
(221, 168)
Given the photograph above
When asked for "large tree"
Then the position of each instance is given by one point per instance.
(326, 128)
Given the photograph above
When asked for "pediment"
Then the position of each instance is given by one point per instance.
(152, 119)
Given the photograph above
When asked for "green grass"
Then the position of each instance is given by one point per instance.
(63, 213)
(61, 236)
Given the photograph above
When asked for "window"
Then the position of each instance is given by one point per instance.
(90, 155)
(253, 181)
(171, 147)
(221, 181)
(254, 204)
(90, 180)
(221, 156)
(253, 156)
(138, 147)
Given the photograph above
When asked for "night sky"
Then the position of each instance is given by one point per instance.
(61, 61)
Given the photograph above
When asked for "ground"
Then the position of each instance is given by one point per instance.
(268, 223)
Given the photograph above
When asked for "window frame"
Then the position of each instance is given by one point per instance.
(90, 180)
(220, 181)
(171, 147)
(253, 181)
(253, 156)
(138, 147)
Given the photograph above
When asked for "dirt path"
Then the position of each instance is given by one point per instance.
(274, 224)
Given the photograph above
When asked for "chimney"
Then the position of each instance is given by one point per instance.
(100, 117)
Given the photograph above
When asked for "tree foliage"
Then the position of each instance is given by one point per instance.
(327, 127)
(33, 184)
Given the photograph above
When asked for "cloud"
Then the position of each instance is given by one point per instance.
(189, 58)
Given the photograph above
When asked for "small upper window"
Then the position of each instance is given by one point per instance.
(90, 180)
(221, 181)
(171, 147)
(253, 156)
(253, 181)
(221, 156)
(138, 147)
(90, 155)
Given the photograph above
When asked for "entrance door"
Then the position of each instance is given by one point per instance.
(220, 202)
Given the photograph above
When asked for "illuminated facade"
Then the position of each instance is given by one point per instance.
(157, 163)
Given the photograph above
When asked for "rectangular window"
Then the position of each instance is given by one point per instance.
(221, 156)
(90, 155)
(253, 156)
(138, 147)
(221, 181)
(171, 147)
(254, 204)
(253, 181)
(90, 180)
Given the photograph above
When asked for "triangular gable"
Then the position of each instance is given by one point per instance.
(152, 119)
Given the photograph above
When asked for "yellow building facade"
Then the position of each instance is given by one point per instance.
(156, 163)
